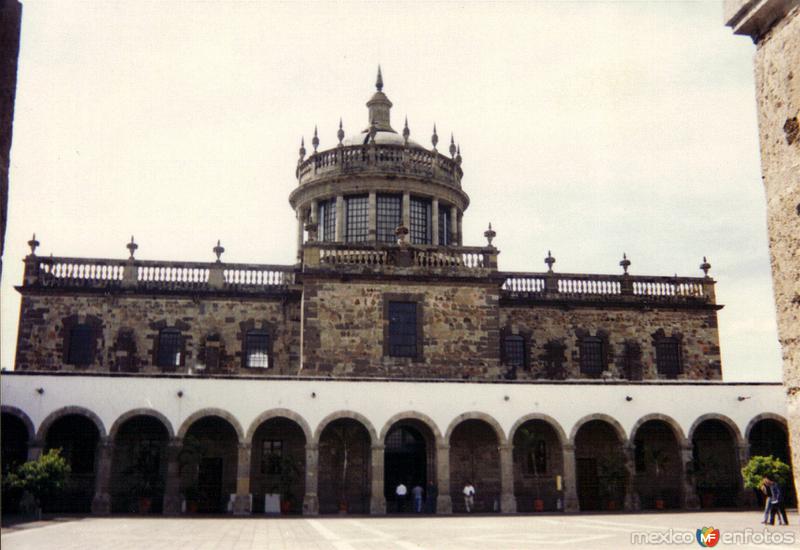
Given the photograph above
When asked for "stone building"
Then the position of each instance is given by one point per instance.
(389, 352)
(774, 26)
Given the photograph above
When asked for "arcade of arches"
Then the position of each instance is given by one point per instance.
(212, 466)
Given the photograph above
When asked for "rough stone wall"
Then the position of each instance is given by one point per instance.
(45, 320)
(474, 457)
(777, 72)
(697, 329)
(344, 322)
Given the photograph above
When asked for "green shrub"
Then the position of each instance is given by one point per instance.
(765, 466)
(42, 477)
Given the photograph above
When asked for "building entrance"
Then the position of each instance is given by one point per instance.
(406, 463)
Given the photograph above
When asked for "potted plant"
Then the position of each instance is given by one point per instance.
(345, 437)
(39, 479)
(189, 458)
(526, 441)
(288, 472)
(192, 497)
(708, 477)
(612, 474)
(659, 458)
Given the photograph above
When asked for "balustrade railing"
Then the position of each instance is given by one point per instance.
(374, 256)
(382, 157)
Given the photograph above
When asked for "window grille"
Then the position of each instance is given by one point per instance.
(514, 350)
(420, 230)
(327, 220)
(80, 345)
(592, 363)
(402, 329)
(170, 344)
(357, 209)
(668, 362)
(444, 225)
(256, 349)
(389, 216)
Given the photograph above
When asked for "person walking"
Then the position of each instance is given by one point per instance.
(469, 496)
(401, 491)
(764, 487)
(417, 493)
(777, 505)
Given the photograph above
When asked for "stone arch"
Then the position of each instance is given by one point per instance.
(278, 413)
(202, 413)
(412, 415)
(19, 413)
(618, 429)
(112, 433)
(764, 416)
(731, 425)
(668, 420)
(552, 422)
(41, 435)
(352, 415)
(477, 415)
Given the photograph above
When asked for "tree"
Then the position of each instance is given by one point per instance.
(41, 478)
(759, 467)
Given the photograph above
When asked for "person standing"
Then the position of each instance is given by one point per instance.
(417, 493)
(430, 498)
(764, 487)
(469, 496)
(401, 491)
(777, 505)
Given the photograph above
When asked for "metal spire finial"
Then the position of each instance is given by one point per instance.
(340, 133)
(458, 155)
(315, 139)
(705, 266)
(434, 137)
(452, 146)
(132, 246)
(406, 132)
(218, 250)
(625, 263)
(34, 244)
(550, 260)
(379, 81)
(302, 149)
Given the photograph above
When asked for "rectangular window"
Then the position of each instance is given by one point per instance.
(402, 329)
(357, 209)
(444, 225)
(80, 345)
(170, 344)
(257, 349)
(420, 230)
(592, 363)
(327, 220)
(389, 216)
(514, 350)
(271, 454)
(668, 360)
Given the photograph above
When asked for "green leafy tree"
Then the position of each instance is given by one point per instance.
(41, 478)
(765, 466)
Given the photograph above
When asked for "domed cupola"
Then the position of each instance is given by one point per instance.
(372, 183)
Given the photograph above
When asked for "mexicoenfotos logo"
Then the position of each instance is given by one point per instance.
(707, 537)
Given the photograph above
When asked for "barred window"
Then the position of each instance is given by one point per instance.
(668, 357)
(389, 216)
(256, 345)
(444, 225)
(514, 350)
(402, 329)
(357, 209)
(170, 347)
(327, 220)
(592, 363)
(81, 350)
(420, 221)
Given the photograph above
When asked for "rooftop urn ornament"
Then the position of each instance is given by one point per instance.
(452, 147)
(218, 250)
(625, 263)
(550, 260)
(34, 244)
(340, 133)
(458, 155)
(302, 149)
(132, 247)
(406, 132)
(315, 140)
(434, 137)
(379, 80)
(705, 266)
(490, 234)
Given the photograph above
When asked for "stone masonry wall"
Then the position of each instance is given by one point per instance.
(126, 330)
(545, 325)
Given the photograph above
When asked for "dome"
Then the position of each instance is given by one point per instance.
(382, 137)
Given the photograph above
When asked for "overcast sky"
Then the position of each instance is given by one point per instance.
(587, 129)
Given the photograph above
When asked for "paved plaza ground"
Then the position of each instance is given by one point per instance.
(592, 531)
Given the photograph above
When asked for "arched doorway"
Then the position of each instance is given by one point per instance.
(139, 466)
(77, 437)
(716, 466)
(475, 458)
(277, 466)
(14, 452)
(768, 437)
(657, 460)
(600, 467)
(208, 462)
(538, 462)
(409, 458)
(344, 467)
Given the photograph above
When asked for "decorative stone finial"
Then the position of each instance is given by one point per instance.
(458, 155)
(302, 149)
(132, 247)
(705, 266)
(434, 137)
(452, 146)
(379, 80)
(401, 232)
(373, 131)
(490, 234)
(550, 260)
(406, 132)
(340, 133)
(34, 244)
(315, 140)
(218, 250)
(625, 263)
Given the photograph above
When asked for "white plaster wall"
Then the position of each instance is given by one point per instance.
(246, 399)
